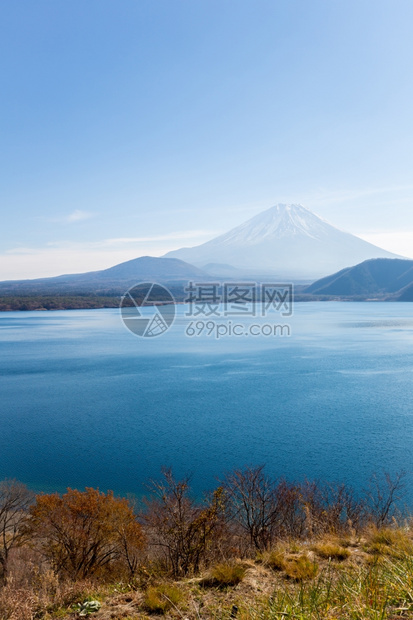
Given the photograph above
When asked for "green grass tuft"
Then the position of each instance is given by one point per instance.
(162, 598)
(228, 574)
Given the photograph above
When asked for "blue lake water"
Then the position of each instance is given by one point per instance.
(86, 403)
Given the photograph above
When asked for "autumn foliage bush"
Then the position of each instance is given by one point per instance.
(82, 533)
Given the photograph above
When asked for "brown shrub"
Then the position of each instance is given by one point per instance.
(82, 533)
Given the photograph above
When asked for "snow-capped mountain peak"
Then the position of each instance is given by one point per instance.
(288, 240)
(282, 220)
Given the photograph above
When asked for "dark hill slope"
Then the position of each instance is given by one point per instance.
(380, 276)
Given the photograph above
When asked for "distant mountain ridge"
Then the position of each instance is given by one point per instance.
(288, 241)
(381, 279)
(378, 277)
(113, 280)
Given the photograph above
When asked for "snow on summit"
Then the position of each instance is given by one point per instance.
(279, 221)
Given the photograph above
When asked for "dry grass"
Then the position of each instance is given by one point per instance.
(331, 551)
(224, 575)
(300, 568)
(393, 542)
(274, 559)
(294, 580)
(44, 598)
(289, 560)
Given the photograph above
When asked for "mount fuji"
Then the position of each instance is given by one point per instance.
(288, 241)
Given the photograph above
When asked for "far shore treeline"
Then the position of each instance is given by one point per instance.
(82, 302)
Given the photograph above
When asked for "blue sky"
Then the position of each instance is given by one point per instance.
(137, 127)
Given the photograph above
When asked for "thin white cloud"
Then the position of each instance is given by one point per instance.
(78, 216)
(330, 197)
(176, 236)
(195, 236)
